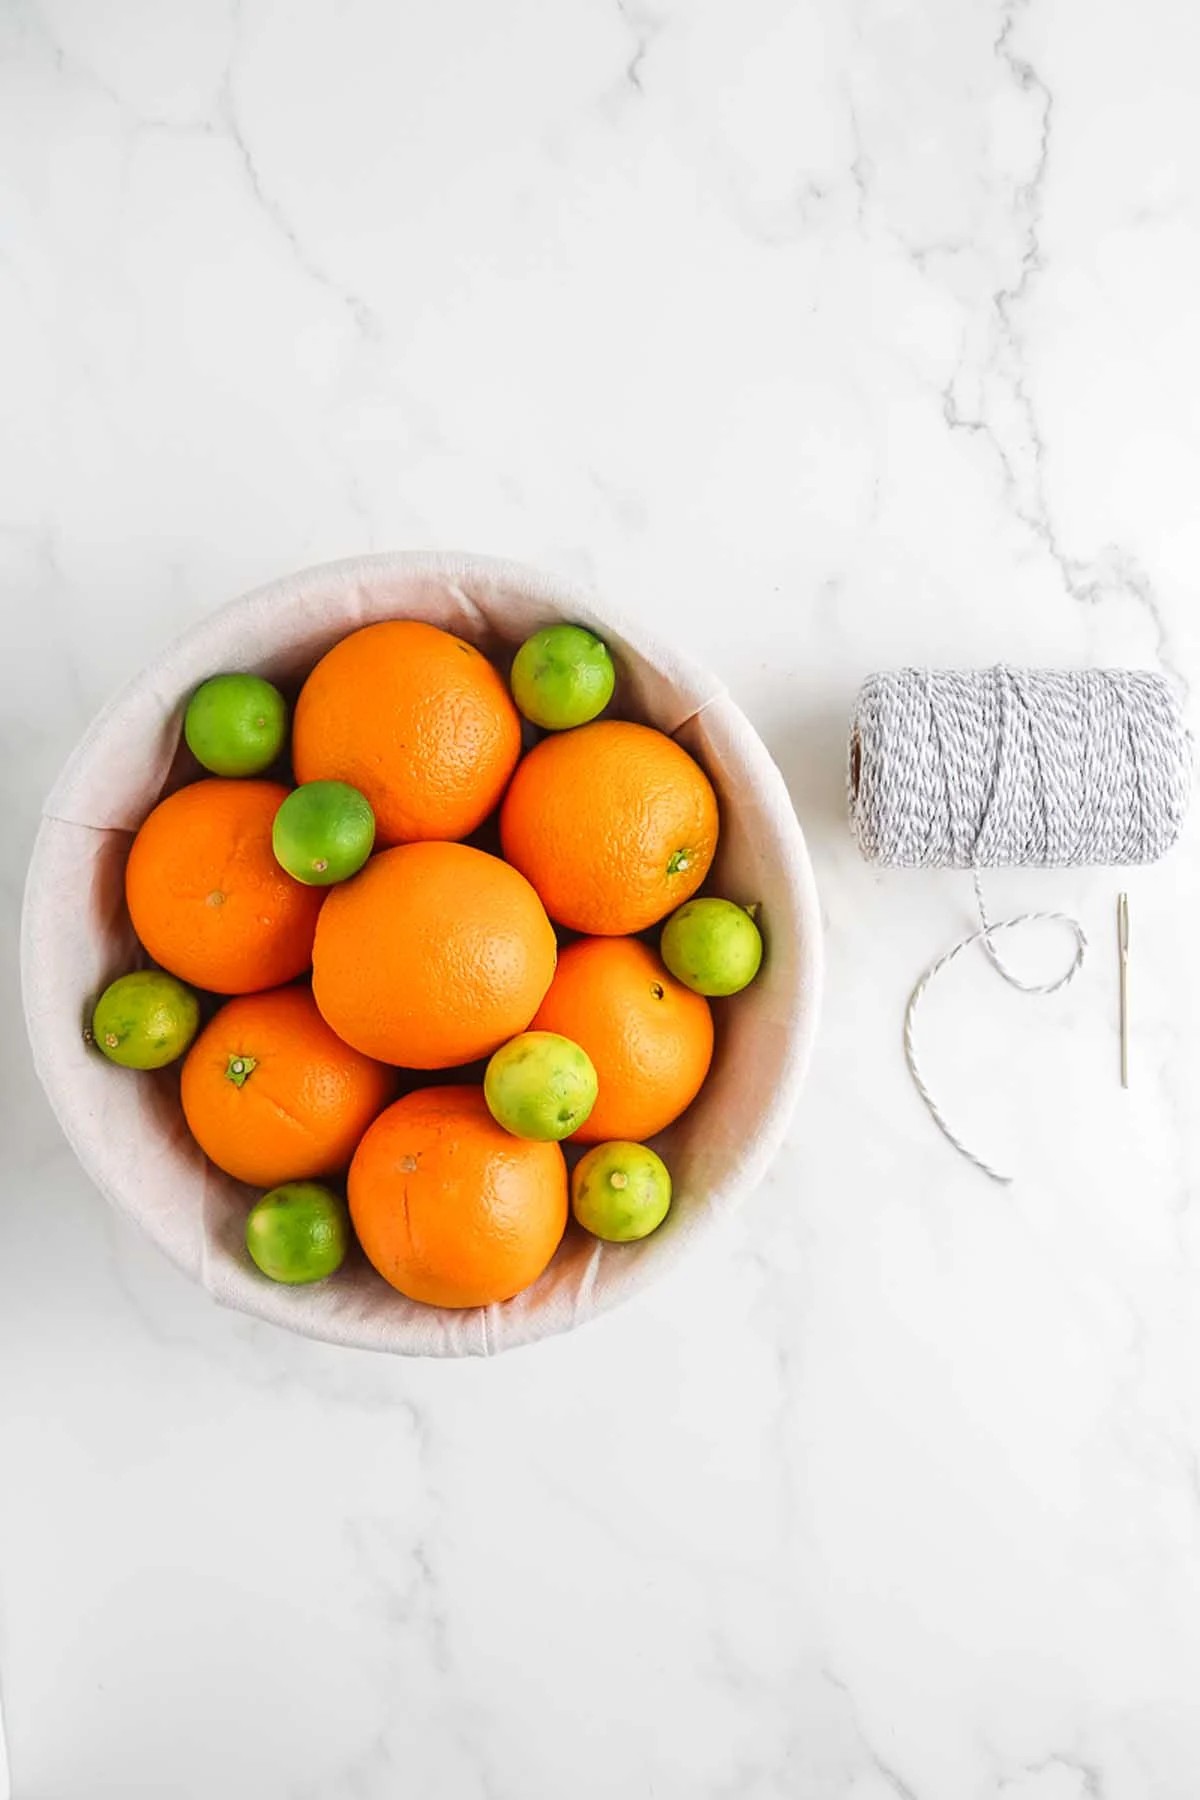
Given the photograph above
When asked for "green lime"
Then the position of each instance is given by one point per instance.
(298, 1232)
(236, 724)
(145, 1020)
(540, 1085)
(562, 676)
(323, 832)
(712, 946)
(621, 1191)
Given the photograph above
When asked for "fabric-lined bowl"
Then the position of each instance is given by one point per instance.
(128, 1130)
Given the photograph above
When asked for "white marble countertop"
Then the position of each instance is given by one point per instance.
(825, 334)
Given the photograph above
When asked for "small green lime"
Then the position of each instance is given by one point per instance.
(562, 676)
(540, 1085)
(298, 1232)
(236, 724)
(712, 946)
(323, 832)
(145, 1020)
(621, 1192)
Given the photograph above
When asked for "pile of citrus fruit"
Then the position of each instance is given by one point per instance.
(405, 962)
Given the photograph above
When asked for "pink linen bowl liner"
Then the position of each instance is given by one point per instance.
(127, 1129)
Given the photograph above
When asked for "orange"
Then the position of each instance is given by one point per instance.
(434, 955)
(449, 1207)
(271, 1094)
(206, 896)
(649, 1037)
(416, 719)
(614, 824)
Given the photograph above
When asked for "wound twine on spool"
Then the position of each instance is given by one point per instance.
(1002, 768)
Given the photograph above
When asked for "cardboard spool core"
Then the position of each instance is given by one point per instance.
(855, 764)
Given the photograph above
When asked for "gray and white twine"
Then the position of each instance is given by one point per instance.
(996, 768)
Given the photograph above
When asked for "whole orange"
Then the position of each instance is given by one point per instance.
(449, 1207)
(416, 719)
(271, 1094)
(206, 895)
(649, 1037)
(614, 824)
(434, 955)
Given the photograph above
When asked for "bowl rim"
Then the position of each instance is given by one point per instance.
(567, 598)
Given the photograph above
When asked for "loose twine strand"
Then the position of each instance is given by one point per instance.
(1004, 767)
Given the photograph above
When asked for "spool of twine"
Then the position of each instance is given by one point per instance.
(999, 768)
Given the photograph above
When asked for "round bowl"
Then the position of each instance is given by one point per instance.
(127, 1129)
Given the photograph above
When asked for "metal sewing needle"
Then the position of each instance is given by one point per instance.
(1123, 972)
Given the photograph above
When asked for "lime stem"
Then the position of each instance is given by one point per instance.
(618, 1179)
(239, 1067)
